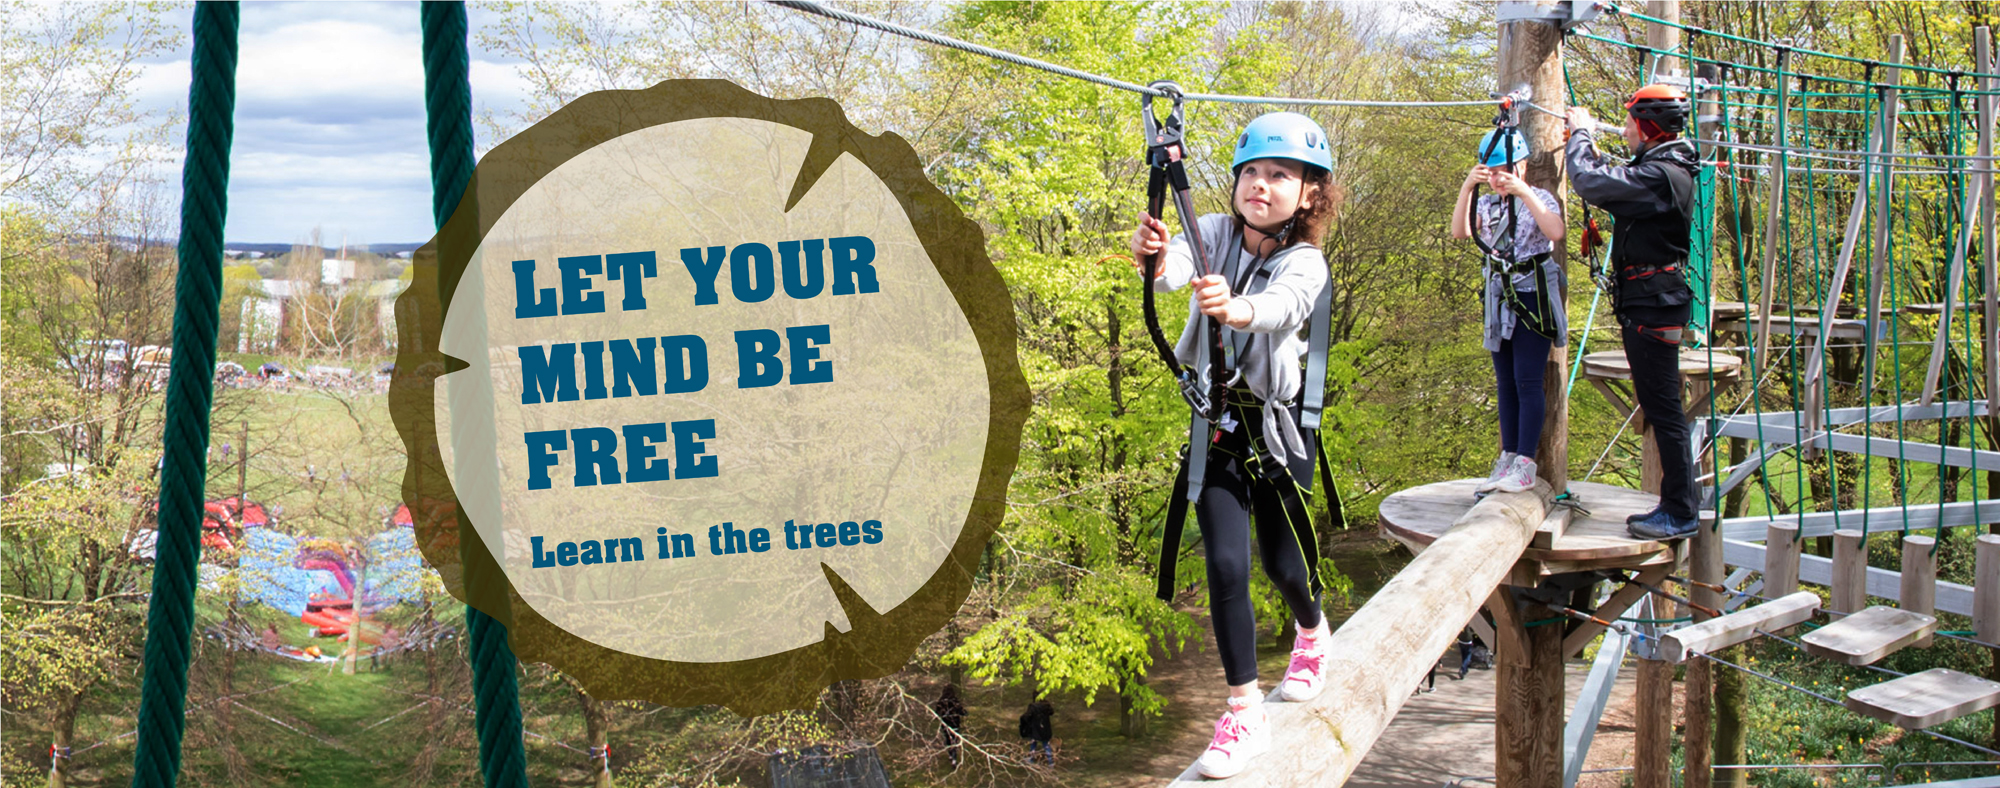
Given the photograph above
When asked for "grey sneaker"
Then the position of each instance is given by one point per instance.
(1518, 478)
(1660, 525)
(1500, 467)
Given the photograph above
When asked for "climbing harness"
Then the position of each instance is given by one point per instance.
(1501, 262)
(1207, 385)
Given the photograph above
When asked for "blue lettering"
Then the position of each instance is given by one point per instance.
(703, 272)
(541, 455)
(871, 532)
(578, 296)
(690, 458)
(528, 303)
(803, 278)
(595, 447)
(566, 554)
(593, 370)
(639, 463)
(750, 275)
(757, 349)
(853, 262)
(547, 376)
(633, 368)
(684, 374)
(630, 267)
(543, 559)
(805, 342)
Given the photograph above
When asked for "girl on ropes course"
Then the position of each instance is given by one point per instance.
(1268, 276)
(1523, 305)
(1651, 201)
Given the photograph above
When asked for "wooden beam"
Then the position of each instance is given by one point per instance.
(1892, 106)
(1621, 600)
(1590, 703)
(1921, 517)
(1388, 646)
(1954, 278)
(1919, 579)
(1989, 241)
(1986, 585)
(1716, 634)
(1654, 706)
(1530, 53)
(1528, 714)
(1773, 215)
(1955, 598)
(1850, 571)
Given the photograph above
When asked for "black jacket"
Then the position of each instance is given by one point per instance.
(1652, 202)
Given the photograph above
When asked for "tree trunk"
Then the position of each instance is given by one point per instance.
(597, 730)
(1131, 723)
(64, 725)
(1729, 729)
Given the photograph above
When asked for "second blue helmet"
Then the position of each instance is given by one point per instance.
(1511, 148)
(1283, 135)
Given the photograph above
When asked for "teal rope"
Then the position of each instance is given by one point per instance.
(190, 393)
(205, 185)
(503, 758)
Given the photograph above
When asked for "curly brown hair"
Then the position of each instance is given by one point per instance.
(1310, 223)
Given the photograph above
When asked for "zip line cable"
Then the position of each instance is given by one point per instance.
(805, 6)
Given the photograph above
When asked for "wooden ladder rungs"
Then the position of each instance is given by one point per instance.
(1921, 700)
(1869, 635)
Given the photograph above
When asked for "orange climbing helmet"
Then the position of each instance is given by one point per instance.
(1663, 105)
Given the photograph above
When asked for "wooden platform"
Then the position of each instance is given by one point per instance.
(1697, 364)
(1938, 308)
(1738, 627)
(1869, 635)
(1801, 325)
(1419, 515)
(1921, 700)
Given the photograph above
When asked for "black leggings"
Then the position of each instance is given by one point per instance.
(1656, 383)
(1229, 495)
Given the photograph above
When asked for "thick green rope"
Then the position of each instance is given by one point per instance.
(448, 113)
(190, 392)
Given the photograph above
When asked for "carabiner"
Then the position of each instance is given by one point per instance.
(1166, 134)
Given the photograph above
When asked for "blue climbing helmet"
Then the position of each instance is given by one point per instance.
(1282, 135)
(1511, 148)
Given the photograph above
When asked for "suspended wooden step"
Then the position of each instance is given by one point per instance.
(1869, 635)
(1725, 631)
(1921, 700)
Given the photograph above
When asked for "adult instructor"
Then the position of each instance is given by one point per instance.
(1651, 200)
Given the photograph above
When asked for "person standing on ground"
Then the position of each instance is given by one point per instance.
(1517, 226)
(951, 716)
(1651, 199)
(1038, 727)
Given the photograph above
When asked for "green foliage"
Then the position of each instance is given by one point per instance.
(1097, 634)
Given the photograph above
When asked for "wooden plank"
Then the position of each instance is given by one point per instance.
(1388, 646)
(1816, 363)
(1954, 278)
(1986, 582)
(1773, 214)
(1892, 104)
(1552, 528)
(1528, 714)
(1922, 517)
(1919, 579)
(1719, 633)
(1921, 700)
(1590, 703)
(1781, 559)
(1850, 571)
(1955, 598)
(1869, 635)
(1907, 412)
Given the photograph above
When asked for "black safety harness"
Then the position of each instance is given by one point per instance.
(1206, 384)
(1502, 264)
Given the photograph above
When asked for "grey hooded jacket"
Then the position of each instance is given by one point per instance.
(1281, 290)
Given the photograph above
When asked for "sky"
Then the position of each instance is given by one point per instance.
(329, 119)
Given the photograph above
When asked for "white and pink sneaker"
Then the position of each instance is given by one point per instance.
(1243, 733)
(1306, 675)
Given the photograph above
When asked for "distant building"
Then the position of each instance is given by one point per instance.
(274, 312)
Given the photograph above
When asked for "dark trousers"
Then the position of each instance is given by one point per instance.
(1656, 382)
(1230, 495)
(1519, 367)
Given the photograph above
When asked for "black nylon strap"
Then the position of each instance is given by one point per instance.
(1170, 531)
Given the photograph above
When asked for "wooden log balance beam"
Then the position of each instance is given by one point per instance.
(1387, 647)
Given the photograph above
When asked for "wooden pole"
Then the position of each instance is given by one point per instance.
(1850, 571)
(243, 469)
(1528, 710)
(1986, 605)
(1531, 55)
(1883, 211)
(1653, 707)
(1781, 559)
(1989, 245)
(1919, 592)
